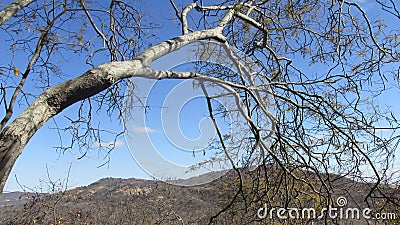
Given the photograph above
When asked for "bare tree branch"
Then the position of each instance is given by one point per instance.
(12, 9)
(17, 134)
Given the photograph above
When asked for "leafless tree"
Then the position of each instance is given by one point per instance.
(311, 107)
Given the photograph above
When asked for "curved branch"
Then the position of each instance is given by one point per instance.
(12, 9)
(185, 11)
(16, 135)
(32, 61)
(371, 33)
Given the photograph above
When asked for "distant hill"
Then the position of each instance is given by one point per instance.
(137, 201)
(13, 198)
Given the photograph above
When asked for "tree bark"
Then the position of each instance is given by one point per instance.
(15, 136)
(13, 8)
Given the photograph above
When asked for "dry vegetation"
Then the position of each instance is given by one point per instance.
(224, 201)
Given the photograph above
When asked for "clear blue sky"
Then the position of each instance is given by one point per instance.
(39, 156)
(30, 168)
(40, 162)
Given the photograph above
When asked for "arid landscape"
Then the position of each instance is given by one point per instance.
(136, 201)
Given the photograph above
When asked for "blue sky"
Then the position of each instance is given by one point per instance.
(40, 160)
(41, 164)
(40, 156)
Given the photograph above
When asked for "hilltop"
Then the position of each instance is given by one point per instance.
(137, 201)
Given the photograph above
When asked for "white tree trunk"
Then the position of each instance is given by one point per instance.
(13, 8)
(16, 135)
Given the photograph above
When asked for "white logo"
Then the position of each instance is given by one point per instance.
(330, 212)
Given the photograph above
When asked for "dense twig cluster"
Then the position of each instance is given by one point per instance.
(308, 99)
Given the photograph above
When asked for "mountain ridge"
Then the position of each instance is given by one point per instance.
(140, 201)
